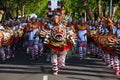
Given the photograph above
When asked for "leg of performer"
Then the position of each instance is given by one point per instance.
(88, 47)
(81, 52)
(48, 58)
(104, 56)
(107, 59)
(54, 62)
(100, 52)
(62, 58)
(84, 49)
(112, 61)
(12, 50)
(25, 45)
(2, 54)
(36, 49)
(41, 47)
(9, 52)
(30, 47)
(116, 65)
(92, 48)
(48, 52)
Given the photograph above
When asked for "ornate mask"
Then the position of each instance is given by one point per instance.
(59, 33)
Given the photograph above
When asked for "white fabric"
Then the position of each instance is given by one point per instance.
(1, 27)
(15, 27)
(50, 25)
(24, 24)
(106, 30)
(90, 27)
(118, 33)
(114, 30)
(54, 4)
(20, 26)
(32, 34)
(81, 35)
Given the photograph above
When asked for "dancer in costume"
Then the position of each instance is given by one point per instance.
(82, 38)
(32, 29)
(59, 41)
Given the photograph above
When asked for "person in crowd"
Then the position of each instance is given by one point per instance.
(82, 38)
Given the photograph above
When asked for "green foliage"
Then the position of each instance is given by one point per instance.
(75, 7)
(117, 14)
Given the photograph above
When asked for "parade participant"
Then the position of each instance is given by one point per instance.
(63, 14)
(105, 31)
(19, 31)
(47, 26)
(10, 48)
(59, 42)
(96, 48)
(70, 27)
(5, 24)
(2, 51)
(115, 58)
(33, 40)
(7, 33)
(82, 38)
(24, 38)
(111, 59)
(91, 43)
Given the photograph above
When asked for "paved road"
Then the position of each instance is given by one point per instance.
(21, 68)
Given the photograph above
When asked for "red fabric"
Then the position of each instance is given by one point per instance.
(49, 4)
(58, 4)
(61, 54)
(83, 45)
(49, 10)
(16, 39)
(8, 42)
(109, 51)
(57, 49)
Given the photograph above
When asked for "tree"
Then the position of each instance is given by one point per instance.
(77, 8)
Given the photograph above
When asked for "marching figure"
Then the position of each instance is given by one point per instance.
(82, 38)
(59, 41)
(32, 29)
(116, 58)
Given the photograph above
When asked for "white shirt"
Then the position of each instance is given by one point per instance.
(1, 27)
(118, 33)
(114, 30)
(82, 35)
(32, 35)
(50, 25)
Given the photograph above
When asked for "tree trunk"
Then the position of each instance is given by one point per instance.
(114, 10)
(100, 9)
(11, 11)
(7, 12)
(89, 11)
(23, 10)
(17, 9)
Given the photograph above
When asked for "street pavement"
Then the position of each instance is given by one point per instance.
(22, 68)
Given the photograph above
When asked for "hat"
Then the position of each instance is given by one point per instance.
(55, 16)
(82, 18)
(33, 17)
(118, 21)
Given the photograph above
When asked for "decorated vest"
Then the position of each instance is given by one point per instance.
(57, 39)
(34, 29)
